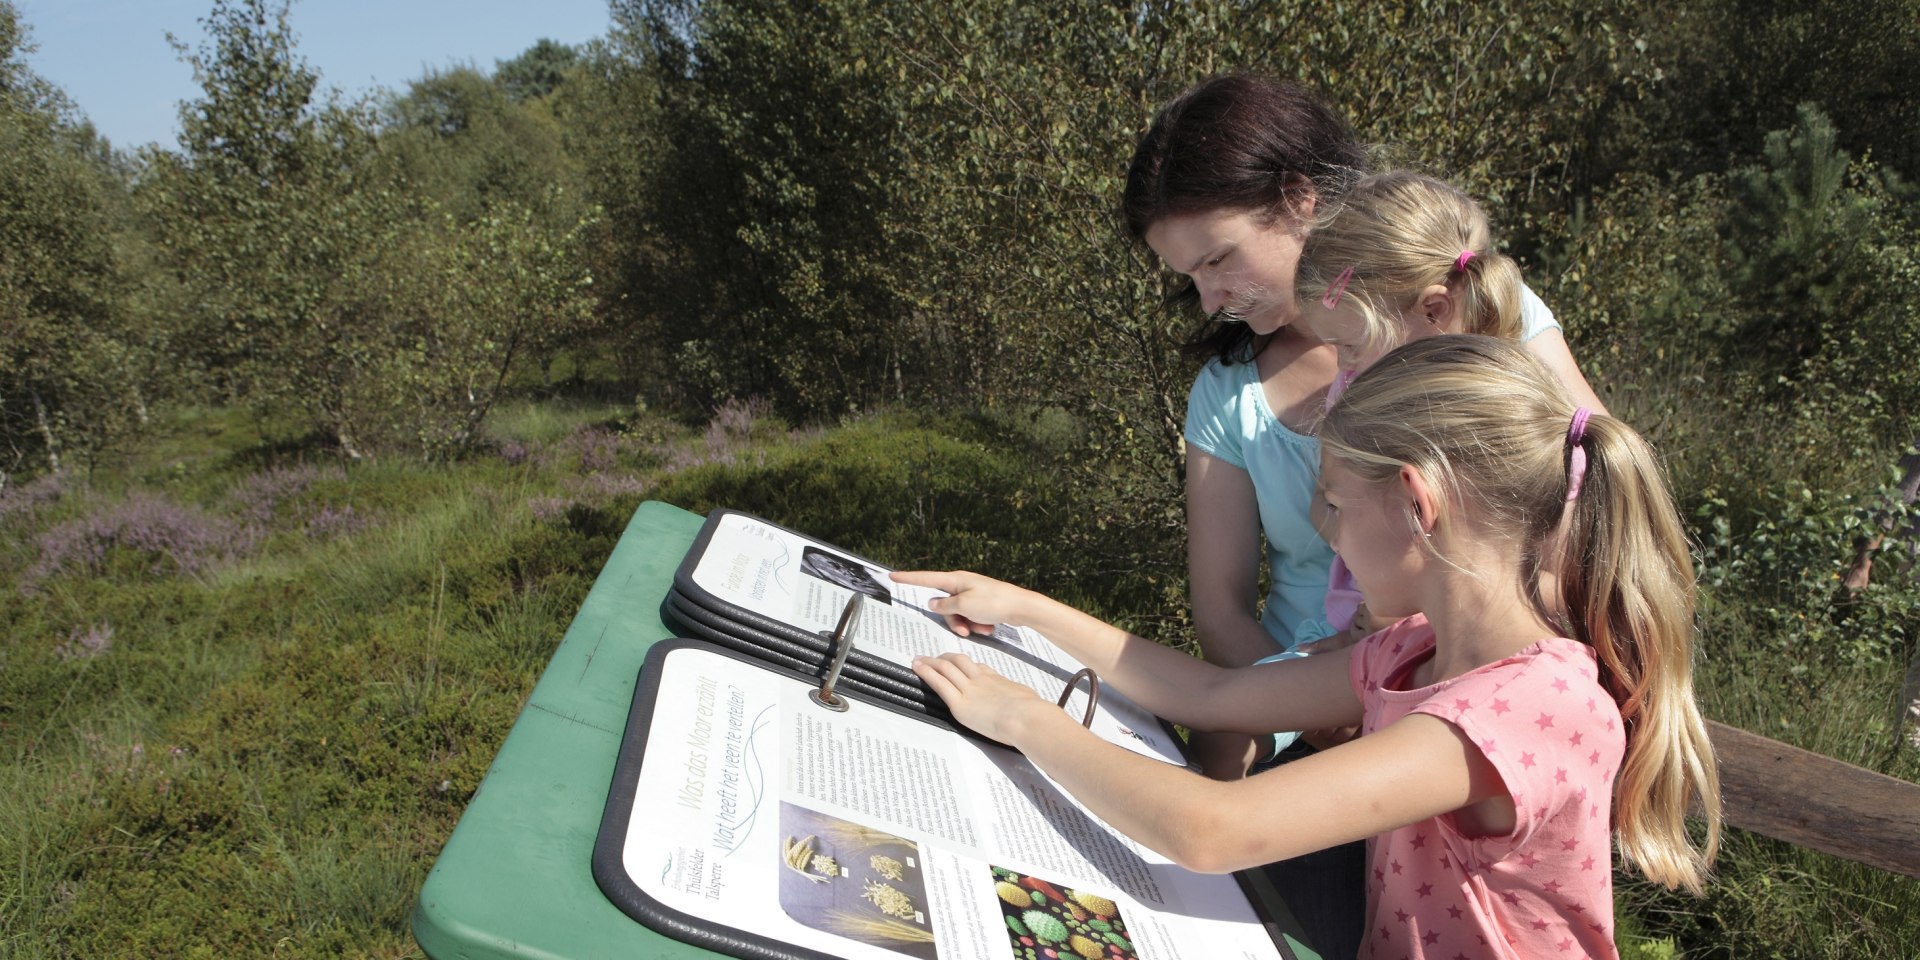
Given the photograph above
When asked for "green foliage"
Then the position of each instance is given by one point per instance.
(854, 201)
(69, 365)
(273, 219)
(1729, 69)
(514, 290)
(760, 218)
(537, 71)
(1750, 324)
(1772, 900)
(328, 277)
(1808, 238)
(754, 218)
(466, 141)
(611, 123)
(1773, 578)
(1738, 318)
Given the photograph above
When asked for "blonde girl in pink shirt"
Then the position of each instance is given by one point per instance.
(1506, 748)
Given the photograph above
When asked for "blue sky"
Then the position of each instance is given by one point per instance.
(112, 58)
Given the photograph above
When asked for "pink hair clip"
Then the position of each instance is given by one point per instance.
(1337, 289)
(1577, 457)
(1460, 262)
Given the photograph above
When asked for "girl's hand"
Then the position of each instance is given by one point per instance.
(974, 603)
(985, 701)
(1364, 625)
(1333, 642)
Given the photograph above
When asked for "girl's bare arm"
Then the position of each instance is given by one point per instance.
(1291, 695)
(1412, 770)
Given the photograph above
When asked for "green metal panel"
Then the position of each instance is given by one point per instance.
(516, 878)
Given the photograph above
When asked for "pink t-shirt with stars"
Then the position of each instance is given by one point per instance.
(1554, 734)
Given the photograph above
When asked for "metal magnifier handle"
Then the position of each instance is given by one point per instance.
(842, 642)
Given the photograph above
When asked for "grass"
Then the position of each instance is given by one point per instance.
(261, 752)
(266, 756)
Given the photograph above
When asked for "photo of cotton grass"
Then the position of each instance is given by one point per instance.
(1047, 921)
(854, 881)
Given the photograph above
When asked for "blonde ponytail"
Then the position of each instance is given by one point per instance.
(1401, 232)
(1486, 424)
(1628, 587)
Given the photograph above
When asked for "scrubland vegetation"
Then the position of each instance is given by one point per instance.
(316, 426)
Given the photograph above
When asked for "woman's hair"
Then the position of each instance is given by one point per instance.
(1401, 232)
(1487, 425)
(1239, 142)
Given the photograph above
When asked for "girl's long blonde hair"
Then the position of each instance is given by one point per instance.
(1487, 425)
(1401, 232)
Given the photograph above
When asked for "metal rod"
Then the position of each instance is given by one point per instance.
(842, 641)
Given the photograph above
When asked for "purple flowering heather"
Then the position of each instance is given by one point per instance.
(601, 487)
(548, 508)
(23, 500)
(736, 417)
(256, 497)
(332, 522)
(87, 644)
(599, 449)
(173, 537)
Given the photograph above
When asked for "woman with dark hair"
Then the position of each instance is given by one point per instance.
(1224, 187)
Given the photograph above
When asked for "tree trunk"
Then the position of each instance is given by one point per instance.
(46, 431)
(348, 448)
(1910, 696)
(1861, 573)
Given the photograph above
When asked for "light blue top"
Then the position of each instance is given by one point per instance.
(1228, 418)
(1535, 318)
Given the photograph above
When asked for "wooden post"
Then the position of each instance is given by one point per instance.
(1817, 802)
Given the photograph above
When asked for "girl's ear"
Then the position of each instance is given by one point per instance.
(1434, 310)
(1302, 196)
(1426, 506)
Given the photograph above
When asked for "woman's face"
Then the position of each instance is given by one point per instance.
(1240, 262)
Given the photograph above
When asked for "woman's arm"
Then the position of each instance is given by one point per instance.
(1417, 768)
(1223, 561)
(1550, 347)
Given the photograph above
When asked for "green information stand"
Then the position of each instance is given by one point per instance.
(515, 879)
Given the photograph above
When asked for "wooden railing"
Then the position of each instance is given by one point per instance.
(1817, 802)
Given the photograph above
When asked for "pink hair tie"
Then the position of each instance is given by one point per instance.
(1577, 457)
(1337, 289)
(1460, 262)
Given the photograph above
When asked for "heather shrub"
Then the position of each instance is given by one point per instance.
(258, 498)
(329, 522)
(19, 502)
(591, 448)
(85, 643)
(144, 534)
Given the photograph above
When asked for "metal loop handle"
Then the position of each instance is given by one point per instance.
(841, 641)
(1093, 693)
